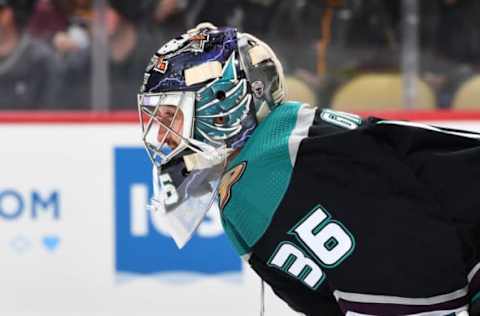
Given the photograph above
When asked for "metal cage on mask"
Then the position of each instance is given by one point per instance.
(186, 170)
(167, 124)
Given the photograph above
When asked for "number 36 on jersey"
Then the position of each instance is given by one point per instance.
(325, 242)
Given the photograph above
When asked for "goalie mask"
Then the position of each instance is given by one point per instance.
(202, 97)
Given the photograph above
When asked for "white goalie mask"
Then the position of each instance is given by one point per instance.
(200, 99)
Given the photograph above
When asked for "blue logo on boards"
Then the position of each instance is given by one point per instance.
(33, 206)
(142, 246)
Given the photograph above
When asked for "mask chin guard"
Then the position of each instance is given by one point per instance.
(183, 197)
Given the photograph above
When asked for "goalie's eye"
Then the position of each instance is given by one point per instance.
(219, 121)
(169, 125)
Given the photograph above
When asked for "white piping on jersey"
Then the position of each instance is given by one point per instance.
(305, 117)
(384, 299)
(462, 311)
(472, 272)
(432, 128)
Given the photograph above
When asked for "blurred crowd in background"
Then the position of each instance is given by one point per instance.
(340, 54)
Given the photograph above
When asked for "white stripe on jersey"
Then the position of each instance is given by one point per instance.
(305, 117)
(385, 299)
(462, 311)
(472, 272)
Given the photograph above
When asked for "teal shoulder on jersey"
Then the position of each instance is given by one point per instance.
(268, 159)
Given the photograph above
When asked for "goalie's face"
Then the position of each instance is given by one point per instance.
(170, 120)
(187, 170)
(167, 123)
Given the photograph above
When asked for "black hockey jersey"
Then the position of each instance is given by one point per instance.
(341, 215)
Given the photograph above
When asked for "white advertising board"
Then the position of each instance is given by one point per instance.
(76, 238)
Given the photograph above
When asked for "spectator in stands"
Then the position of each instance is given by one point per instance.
(72, 46)
(131, 43)
(356, 37)
(75, 37)
(171, 17)
(48, 18)
(28, 72)
(63, 22)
